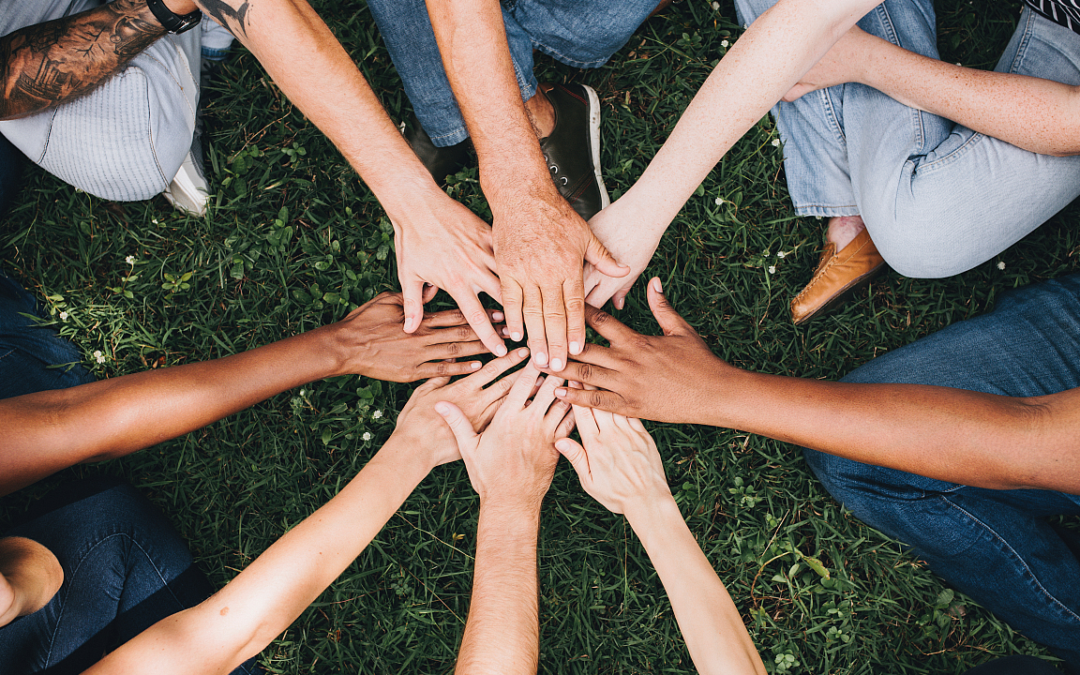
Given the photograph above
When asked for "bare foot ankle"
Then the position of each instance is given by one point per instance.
(541, 114)
(842, 229)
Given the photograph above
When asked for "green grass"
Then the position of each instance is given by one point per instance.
(295, 241)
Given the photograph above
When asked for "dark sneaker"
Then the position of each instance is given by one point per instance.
(440, 162)
(573, 148)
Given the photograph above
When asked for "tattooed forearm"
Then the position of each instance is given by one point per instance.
(233, 15)
(48, 63)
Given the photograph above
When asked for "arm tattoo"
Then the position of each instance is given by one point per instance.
(46, 64)
(233, 18)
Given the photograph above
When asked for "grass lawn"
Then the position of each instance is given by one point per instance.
(294, 241)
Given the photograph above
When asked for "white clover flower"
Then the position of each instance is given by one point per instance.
(772, 269)
(366, 436)
(1001, 265)
(716, 6)
(724, 43)
(719, 201)
(130, 260)
(377, 414)
(765, 254)
(154, 221)
(780, 254)
(98, 356)
(63, 316)
(776, 143)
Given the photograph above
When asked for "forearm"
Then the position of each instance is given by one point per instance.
(51, 430)
(954, 435)
(502, 631)
(711, 625)
(476, 56)
(44, 65)
(330, 90)
(1032, 113)
(262, 601)
(759, 69)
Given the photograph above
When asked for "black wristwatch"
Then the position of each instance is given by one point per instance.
(170, 20)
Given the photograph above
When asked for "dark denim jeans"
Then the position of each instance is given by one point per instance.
(125, 568)
(994, 545)
(32, 359)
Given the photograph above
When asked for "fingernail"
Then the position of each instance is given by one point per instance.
(476, 365)
(497, 316)
(560, 392)
(500, 350)
(575, 347)
(442, 407)
(523, 352)
(541, 358)
(656, 285)
(515, 336)
(556, 365)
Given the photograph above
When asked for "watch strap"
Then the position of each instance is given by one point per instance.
(170, 20)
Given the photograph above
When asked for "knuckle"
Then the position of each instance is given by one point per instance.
(463, 333)
(596, 399)
(453, 348)
(586, 371)
(575, 305)
(442, 369)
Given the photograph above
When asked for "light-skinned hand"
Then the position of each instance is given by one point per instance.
(472, 396)
(665, 378)
(617, 460)
(447, 246)
(371, 343)
(632, 243)
(540, 247)
(512, 461)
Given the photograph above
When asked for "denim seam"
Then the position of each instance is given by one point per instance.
(78, 567)
(573, 63)
(1004, 545)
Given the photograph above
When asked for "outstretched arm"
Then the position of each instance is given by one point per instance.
(1040, 116)
(619, 465)
(762, 65)
(540, 243)
(977, 439)
(239, 620)
(51, 430)
(510, 465)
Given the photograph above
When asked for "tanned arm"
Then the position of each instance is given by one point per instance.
(968, 437)
(46, 64)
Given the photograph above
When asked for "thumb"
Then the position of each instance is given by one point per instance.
(603, 261)
(459, 424)
(670, 321)
(412, 293)
(576, 455)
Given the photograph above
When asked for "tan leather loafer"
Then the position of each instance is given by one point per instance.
(838, 275)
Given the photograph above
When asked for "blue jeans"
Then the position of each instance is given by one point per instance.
(994, 545)
(125, 568)
(32, 359)
(579, 33)
(937, 198)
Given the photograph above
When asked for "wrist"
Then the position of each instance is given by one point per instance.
(653, 515)
(408, 453)
(513, 517)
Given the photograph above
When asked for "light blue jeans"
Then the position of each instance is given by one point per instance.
(125, 140)
(994, 545)
(937, 198)
(579, 33)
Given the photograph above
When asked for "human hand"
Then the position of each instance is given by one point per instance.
(617, 460)
(444, 244)
(371, 343)
(668, 378)
(631, 244)
(422, 427)
(540, 244)
(839, 65)
(511, 463)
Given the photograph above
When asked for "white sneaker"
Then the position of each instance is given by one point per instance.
(188, 191)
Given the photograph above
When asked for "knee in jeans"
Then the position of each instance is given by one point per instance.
(921, 248)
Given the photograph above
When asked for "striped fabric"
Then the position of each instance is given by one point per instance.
(1063, 12)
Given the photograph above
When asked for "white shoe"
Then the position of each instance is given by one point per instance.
(188, 191)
